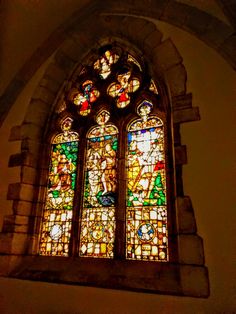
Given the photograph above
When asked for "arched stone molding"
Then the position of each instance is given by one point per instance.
(188, 273)
(204, 26)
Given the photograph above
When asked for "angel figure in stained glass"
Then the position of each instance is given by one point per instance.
(103, 64)
(84, 100)
(121, 90)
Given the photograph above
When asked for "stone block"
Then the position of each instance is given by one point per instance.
(16, 160)
(182, 101)
(152, 40)
(166, 55)
(72, 49)
(15, 223)
(180, 155)
(228, 50)
(186, 115)
(44, 94)
(31, 131)
(37, 113)
(216, 33)
(6, 242)
(176, 79)
(8, 263)
(4, 264)
(186, 219)
(28, 175)
(30, 146)
(23, 159)
(13, 243)
(50, 84)
(194, 281)
(177, 135)
(64, 61)
(20, 191)
(55, 73)
(139, 29)
(22, 207)
(191, 249)
(175, 12)
(15, 133)
(197, 21)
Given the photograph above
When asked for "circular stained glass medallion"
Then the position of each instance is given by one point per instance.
(146, 232)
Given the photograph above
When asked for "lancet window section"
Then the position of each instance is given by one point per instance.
(58, 210)
(100, 188)
(146, 215)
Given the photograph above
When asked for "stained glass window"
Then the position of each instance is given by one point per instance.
(113, 91)
(121, 90)
(98, 215)
(58, 211)
(84, 99)
(104, 63)
(133, 60)
(146, 217)
(153, 87)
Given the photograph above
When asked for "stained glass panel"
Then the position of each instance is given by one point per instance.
(153, 87)
(121, 90)
(146, 188)
(98, 215)
(133, 60)
(86, 98)
(57, 218)
(103, 64)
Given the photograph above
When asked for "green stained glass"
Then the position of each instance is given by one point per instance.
(57, 218)
(146, 188)
(98, 214)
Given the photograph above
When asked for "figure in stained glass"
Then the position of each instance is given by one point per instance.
(98, 215)
(86, 98)
(146, 189)
(57, 218)
(104, 63)
(121, 90)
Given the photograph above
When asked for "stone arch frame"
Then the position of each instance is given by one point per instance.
(188, 276)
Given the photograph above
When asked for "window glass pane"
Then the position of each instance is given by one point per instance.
(98, 215)
(146, 216)
(58, 211)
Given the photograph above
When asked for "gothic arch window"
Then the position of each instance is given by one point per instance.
(107, 194)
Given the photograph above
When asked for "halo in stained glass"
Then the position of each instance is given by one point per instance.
(144, 109)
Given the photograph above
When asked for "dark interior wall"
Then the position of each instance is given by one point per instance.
(209, 179)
